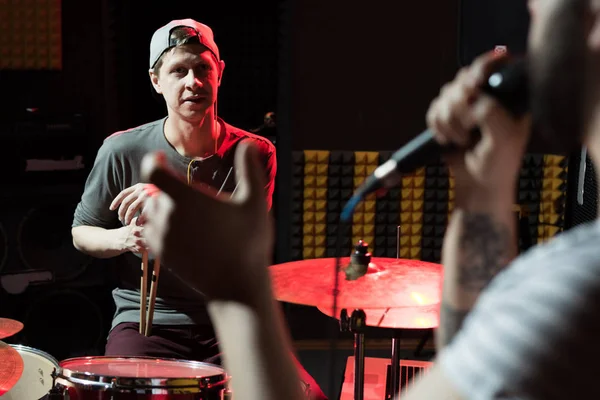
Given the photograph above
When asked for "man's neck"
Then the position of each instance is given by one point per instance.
(194, 140)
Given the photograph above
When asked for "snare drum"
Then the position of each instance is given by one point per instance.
(36, 380)
(120, 378)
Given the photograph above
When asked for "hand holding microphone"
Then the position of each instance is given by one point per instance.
(479, 121)
(488, 166)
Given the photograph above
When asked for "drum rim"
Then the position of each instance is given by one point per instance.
(103, 382)
(28, 349)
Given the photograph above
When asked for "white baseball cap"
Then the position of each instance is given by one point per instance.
(161, 39)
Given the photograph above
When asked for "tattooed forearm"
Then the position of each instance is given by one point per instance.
(484, 249)
(478, 247)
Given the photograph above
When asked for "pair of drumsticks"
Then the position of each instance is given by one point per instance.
(146, 316)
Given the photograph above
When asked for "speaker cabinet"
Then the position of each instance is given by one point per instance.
(62, 296)
(35, 224)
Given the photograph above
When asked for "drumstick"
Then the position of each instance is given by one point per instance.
(143, 291)
(153, 287)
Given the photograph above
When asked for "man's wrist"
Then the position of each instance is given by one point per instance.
(117, 239)
(485, 200)
(259, 304)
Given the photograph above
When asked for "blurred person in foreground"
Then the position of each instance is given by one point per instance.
(511, 327)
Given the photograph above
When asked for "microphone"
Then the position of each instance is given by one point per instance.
(508, 84)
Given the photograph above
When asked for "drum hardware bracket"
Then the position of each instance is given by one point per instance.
(55, 393)
(359, 261)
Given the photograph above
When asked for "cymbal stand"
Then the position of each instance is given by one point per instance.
(393, 384)
(356, 324)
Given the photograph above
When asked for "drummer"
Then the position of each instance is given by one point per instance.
(535, 321)
(186, 69)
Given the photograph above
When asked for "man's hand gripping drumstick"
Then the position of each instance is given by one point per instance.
(128, 203)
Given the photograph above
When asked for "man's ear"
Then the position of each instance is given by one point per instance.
(221, 68)
(154, 80)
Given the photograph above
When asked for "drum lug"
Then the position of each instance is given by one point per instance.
(113, 386)
(57, 393)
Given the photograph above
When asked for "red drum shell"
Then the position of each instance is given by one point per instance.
(141, 378)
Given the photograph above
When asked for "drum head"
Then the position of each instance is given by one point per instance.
(129, 373)
(36, 380)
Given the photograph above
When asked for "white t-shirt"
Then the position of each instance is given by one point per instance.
(533, 332)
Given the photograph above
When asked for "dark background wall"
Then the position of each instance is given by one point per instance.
(365, 73)
(105, 63)
(359, 76)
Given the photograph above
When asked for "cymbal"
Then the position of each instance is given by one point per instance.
(11, 367)
(388, 283)
(421, 317)
(9, 327)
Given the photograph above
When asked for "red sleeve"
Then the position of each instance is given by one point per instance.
(268, 159)
(270, 163)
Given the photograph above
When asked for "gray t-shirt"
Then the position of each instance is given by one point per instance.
(533, 332)
(117, 167)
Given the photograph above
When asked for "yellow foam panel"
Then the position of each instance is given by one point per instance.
(315, 205)
(547, 232)
(30, 34)
(413, 253)
(411, 214)
(412, 193)
(415, 181)
(316, 166)
(312, 252)
(414, 205)
(366, 158)
(316, 182)
(316, 156)
(360, 170)
(316, 169)
(363, 219)
(407, 230)
(363, 230)
(315, 193)
(552, 185)
(553, 160)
